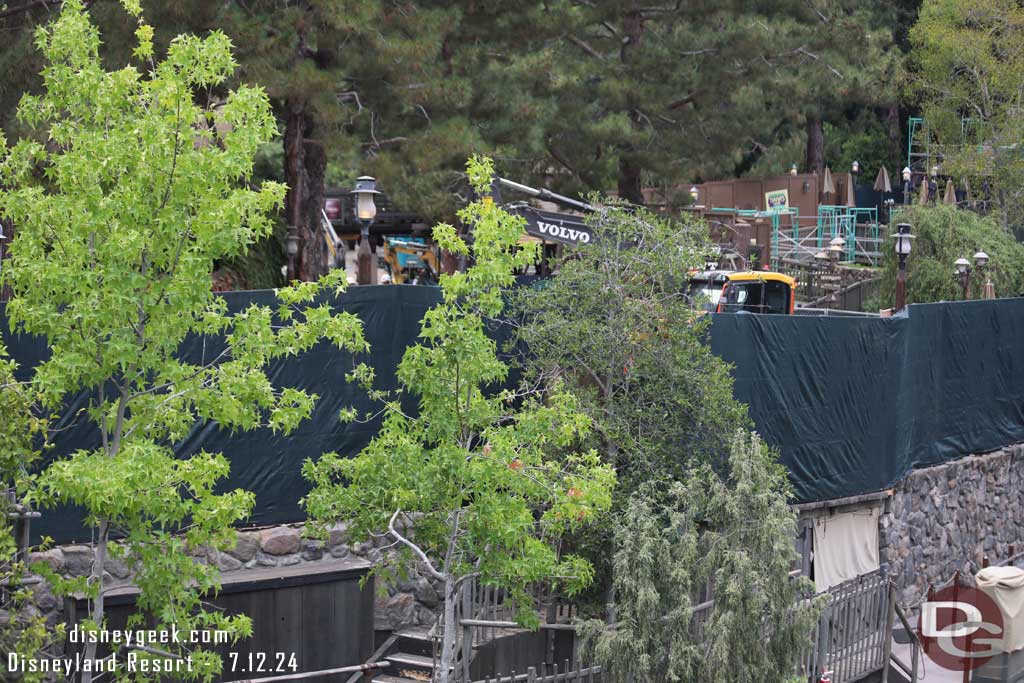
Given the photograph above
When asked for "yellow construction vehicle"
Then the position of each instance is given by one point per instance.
(411, 260)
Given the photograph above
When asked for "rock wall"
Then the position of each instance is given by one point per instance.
(951, 517)
(940, 519)
(412, 602)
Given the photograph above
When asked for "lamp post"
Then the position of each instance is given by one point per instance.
(855, 170)
(291, 244)
(980, 262)
(908, 184)
(366, 210)
(836, 247)
(695, 197)
(963, 271)
(793, 170)
(903, 240)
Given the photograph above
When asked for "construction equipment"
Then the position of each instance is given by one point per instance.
(411, 260)
(752, 291)
(550, 226)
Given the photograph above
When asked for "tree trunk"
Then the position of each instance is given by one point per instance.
(892, 125)
(629, 185)
(815, 145)
(629, 180)
(313, 256)
(305, 164)
(448, 628)
(96, 578)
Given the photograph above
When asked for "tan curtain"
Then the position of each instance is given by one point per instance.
(845, 547)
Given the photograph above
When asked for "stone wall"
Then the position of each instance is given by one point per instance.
(938, 520)
(412, 602)
(951, 517)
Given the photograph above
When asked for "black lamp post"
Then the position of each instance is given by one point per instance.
(980, 262)
(366, 210)
(963, 272)
(291, 244)
(903, 240)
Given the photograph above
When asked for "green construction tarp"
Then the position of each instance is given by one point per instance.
(851, 404)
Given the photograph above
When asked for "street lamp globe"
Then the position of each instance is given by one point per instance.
(903, 239)
(980, 259)
(792, 170)
(855, 167)
(962, 265)
(694, 193)
(366, 188)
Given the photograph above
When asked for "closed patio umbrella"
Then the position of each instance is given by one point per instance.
(882, 183)
(950, 195)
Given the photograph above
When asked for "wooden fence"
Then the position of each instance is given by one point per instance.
(545, 674)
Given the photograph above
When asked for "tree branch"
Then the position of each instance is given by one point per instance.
(413, 547)
(584, 46)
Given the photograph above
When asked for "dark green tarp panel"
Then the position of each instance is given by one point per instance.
(265, 463)
(852, 404)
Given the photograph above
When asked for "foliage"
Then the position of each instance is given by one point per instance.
(616, 326)
(120, 218)
(733, 533)
(864, 140)
(23, 630)
(576, 96)
(483, 482)
(944, 234)
(968, 66)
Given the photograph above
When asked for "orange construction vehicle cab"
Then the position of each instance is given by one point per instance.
(753, 291)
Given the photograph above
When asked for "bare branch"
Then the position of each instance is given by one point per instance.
(413, 547)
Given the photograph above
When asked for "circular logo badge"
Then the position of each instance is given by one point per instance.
(960, 628)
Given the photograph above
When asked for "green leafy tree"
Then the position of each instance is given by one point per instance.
(967, 68)
(23, 630)
(120, 218)
(616, 326)
(733, 532)
(944, 234)
(481, 483)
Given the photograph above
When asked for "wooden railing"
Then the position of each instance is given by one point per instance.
(853, 637)
(551, 674)
(854, 633)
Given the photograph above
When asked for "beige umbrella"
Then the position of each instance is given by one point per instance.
(882, 183)
(923, 194)
(827, 187)
(950, 196)
(851, 194)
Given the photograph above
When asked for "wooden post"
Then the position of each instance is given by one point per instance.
(467, 631)
(890, 619)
